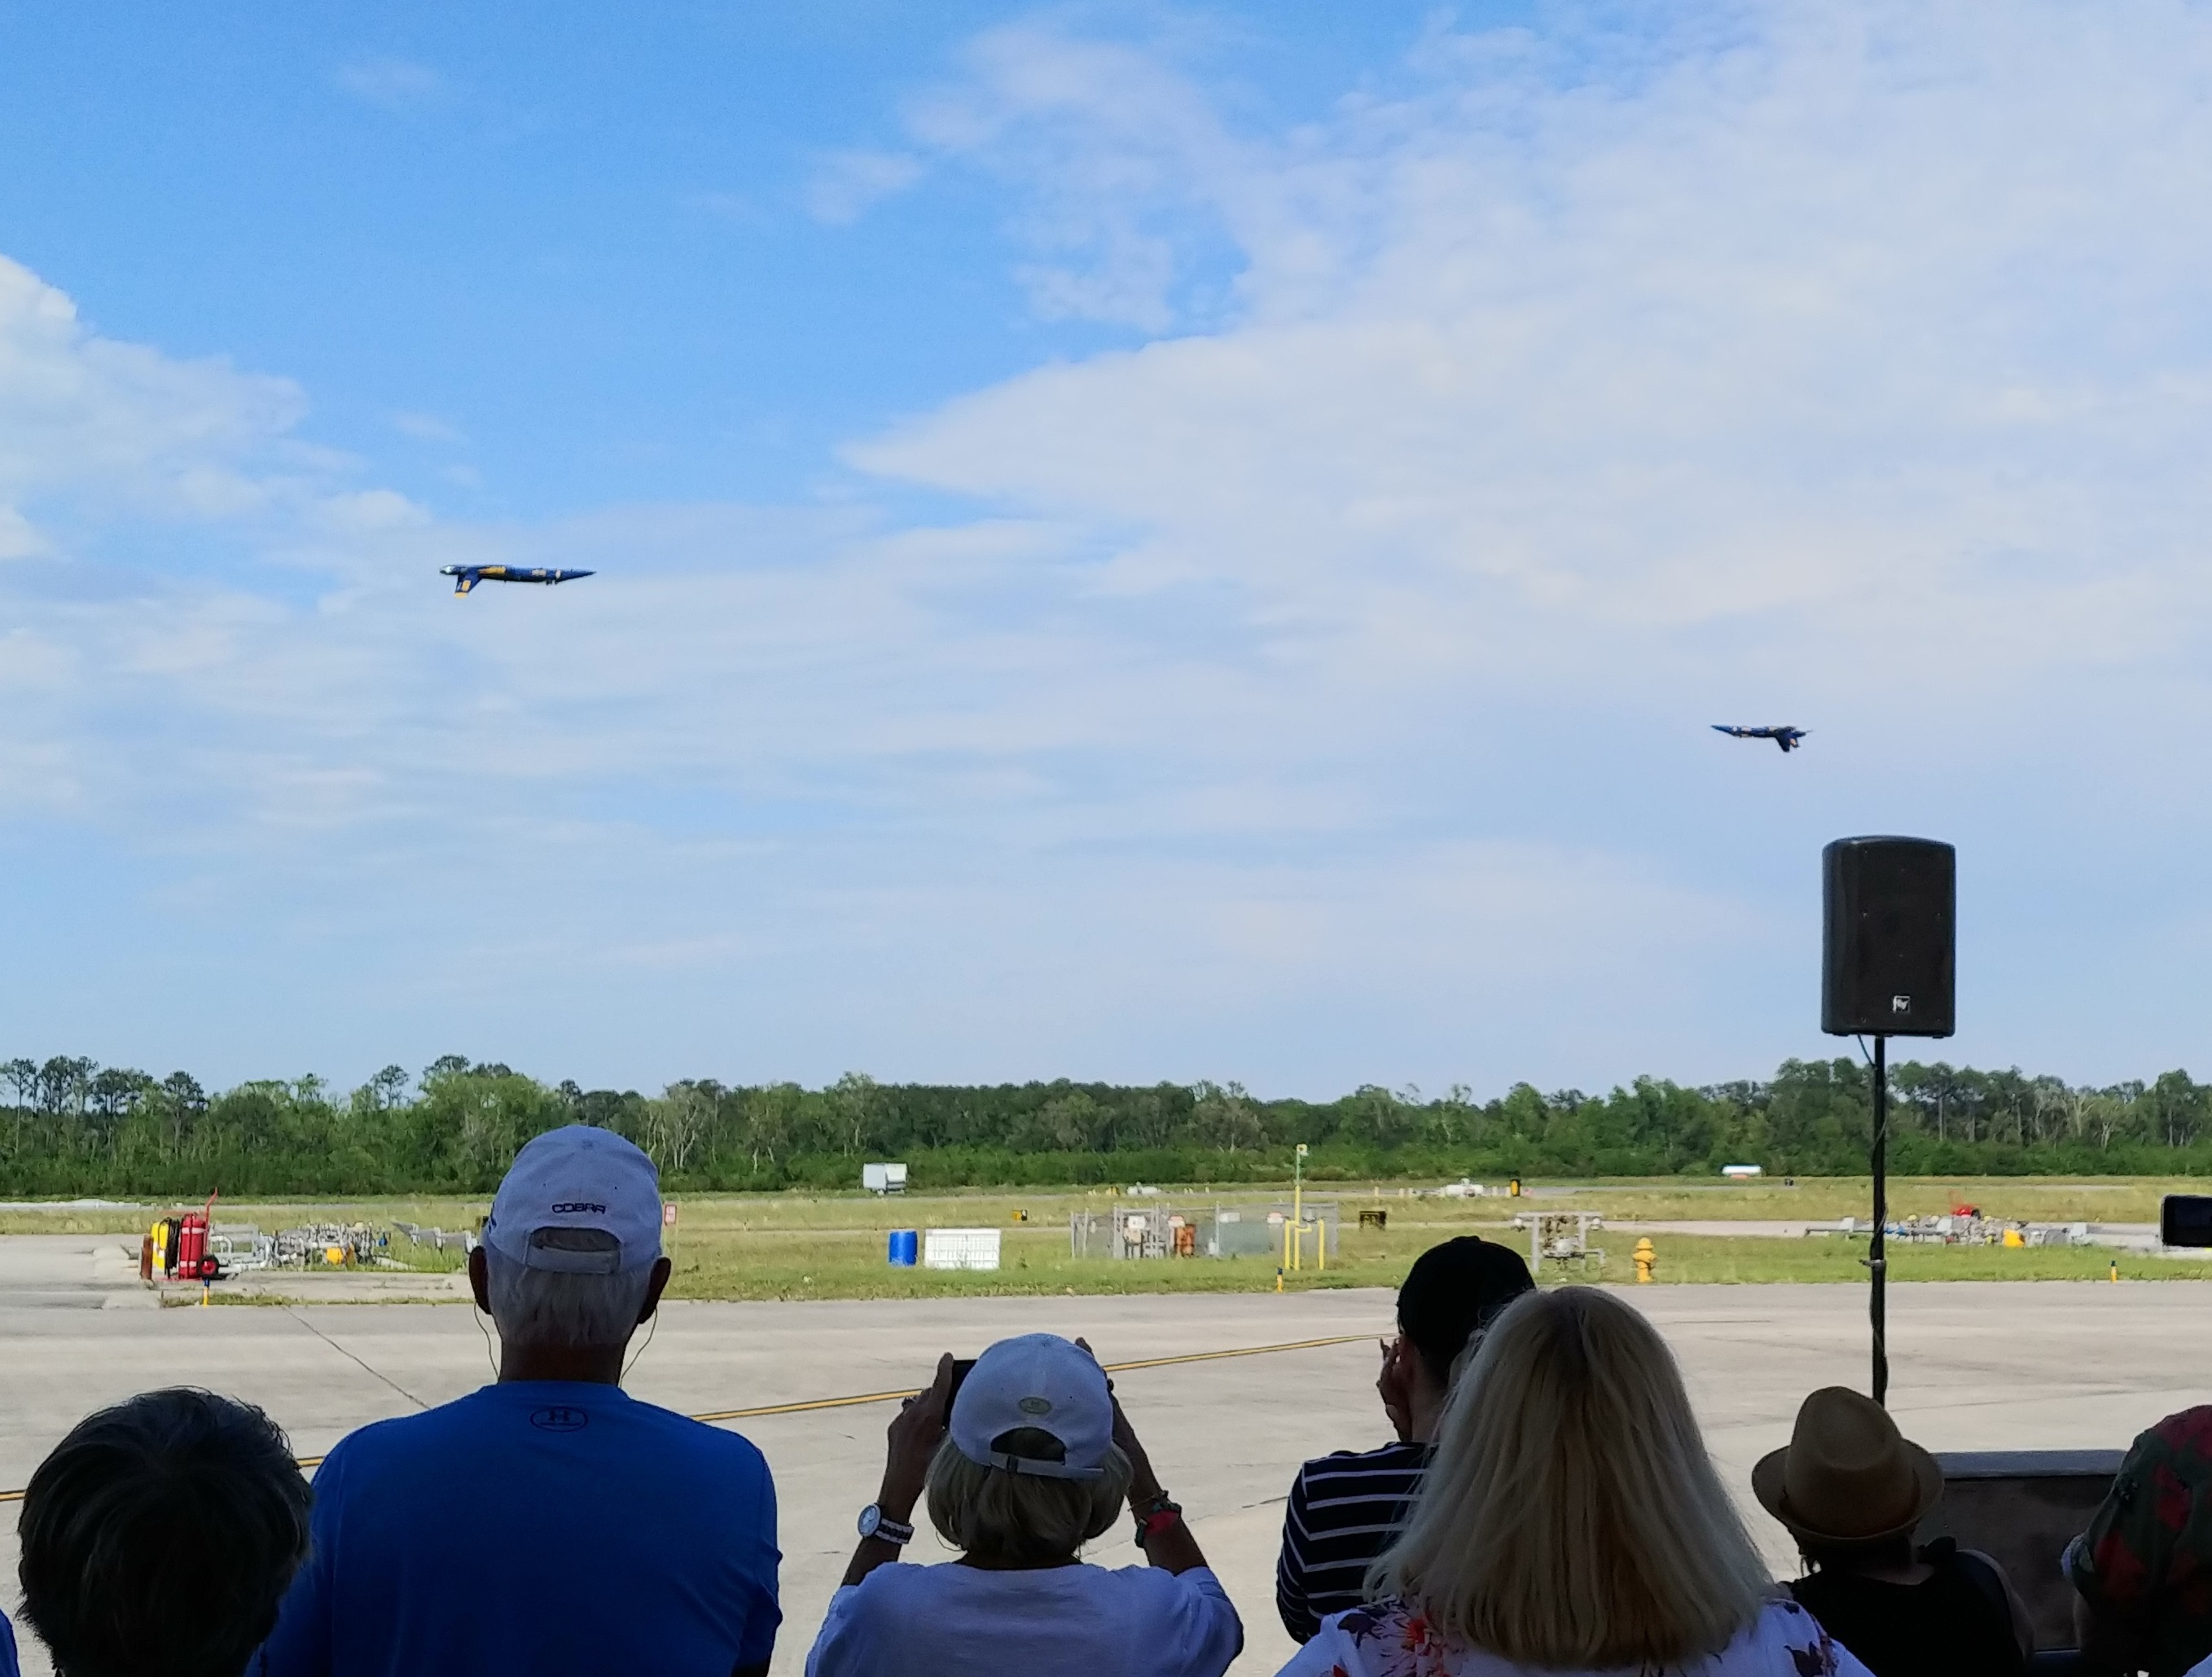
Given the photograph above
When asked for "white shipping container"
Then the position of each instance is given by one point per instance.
(883, 1178)
(960, 1249)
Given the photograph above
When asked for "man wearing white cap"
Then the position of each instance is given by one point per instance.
(549, 1523)
(1036, 1461)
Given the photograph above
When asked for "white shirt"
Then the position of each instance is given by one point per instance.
(1784, 1641)
(956, 1622)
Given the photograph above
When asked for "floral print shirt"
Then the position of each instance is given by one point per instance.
(1392, 1639)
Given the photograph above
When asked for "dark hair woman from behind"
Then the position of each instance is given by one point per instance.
(159, 1536)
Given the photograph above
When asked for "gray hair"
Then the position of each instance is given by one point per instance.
(565, 1309)
(1021, 1519)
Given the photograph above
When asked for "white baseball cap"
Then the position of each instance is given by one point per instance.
(577, 1177)
(1041, 1381)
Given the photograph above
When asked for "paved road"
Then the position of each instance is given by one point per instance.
(1977, 1366)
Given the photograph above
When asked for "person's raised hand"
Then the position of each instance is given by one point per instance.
(911, 1443)
(1143, 1484)
(1395, 1385)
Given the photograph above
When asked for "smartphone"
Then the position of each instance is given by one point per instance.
(962, 1364)
(2185, 1219)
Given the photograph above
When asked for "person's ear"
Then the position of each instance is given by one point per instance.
(480, 1278)
(662, 1269)
(1418, 1369)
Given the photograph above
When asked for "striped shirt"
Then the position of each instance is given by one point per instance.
(1343, 1510)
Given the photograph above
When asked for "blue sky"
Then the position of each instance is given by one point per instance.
(1134, 542)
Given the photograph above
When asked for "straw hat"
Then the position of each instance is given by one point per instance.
(1847, 1475)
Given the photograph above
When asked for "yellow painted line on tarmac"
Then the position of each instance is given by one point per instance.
(1240, 1350)
(1111, 1368)
(810, 1405)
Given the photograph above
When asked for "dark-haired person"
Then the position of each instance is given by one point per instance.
(1852, 1489)
(159, 1536)
(1345, 1508)
(605, 1535)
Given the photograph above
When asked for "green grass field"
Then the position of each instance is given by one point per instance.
(832, 1246)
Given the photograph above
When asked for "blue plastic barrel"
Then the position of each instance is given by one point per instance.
(906, 1248)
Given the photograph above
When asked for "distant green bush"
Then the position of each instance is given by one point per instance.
(74, 1128)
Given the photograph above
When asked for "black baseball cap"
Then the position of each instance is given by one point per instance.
(1452, 1291)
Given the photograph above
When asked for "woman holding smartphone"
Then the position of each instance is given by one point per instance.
(1030, 1461)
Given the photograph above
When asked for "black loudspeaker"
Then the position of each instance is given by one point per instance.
(1888, 957)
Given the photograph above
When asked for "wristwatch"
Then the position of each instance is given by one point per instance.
(1155, 1513)
(874, 1522)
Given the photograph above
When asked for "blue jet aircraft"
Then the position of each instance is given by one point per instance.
(1787, 738)
(466, 577)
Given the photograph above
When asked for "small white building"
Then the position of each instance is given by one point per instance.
(883, 1178)
(1742, 1173)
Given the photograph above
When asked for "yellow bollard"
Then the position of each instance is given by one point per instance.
(2116, 1269)
(1645, 1259)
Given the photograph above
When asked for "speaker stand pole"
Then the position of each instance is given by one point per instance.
(1877, 1265)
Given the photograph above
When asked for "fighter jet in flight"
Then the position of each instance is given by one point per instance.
(1788, 738)
(466, 577)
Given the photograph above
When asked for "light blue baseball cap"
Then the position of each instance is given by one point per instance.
(577, 1177)
(1039, 1381)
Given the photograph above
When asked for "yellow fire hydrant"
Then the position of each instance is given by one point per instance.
(1644, 1259)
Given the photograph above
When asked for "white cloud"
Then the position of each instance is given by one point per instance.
(81, 415)
(1116, 163)
(1877, 329)
(427, 427)
(1316, 693)
(18, 540)
(844, 183)
(394, 83)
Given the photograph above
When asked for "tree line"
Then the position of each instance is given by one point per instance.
(76, 1127)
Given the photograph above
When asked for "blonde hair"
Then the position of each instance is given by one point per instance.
(1021, 1519)
(1571, 1516)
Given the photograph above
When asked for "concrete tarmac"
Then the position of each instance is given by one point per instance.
(1976, 1365)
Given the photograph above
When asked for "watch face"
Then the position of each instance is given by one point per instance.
(871, 1518)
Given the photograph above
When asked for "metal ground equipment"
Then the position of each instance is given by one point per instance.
(1168, 1229)
(1561, 1239)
